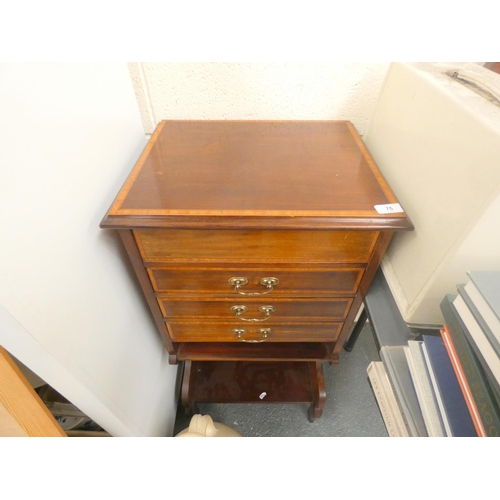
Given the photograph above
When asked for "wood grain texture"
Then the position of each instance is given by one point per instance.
(381, 247)
(177, 245)
(219, 331)
(335, 222)
(293, 281)
(135, 258)
(288, 169)
(22, 412)
(117, 203)
(294, 200)
(287, 310)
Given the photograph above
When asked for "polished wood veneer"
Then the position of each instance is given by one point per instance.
(230, 246)
(295, 281)
(286, 310)
(209, 331)
(255, 242)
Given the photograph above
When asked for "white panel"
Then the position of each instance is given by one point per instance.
(70, 135)
(437, 143)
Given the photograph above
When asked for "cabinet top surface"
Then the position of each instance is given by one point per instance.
(215, 172)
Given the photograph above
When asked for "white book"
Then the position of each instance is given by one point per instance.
(389, 408)
(423, 388)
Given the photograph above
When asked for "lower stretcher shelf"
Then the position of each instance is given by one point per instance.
(254, 382)
(266, 351)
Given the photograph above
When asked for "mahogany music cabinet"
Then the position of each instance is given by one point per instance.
(254, 243)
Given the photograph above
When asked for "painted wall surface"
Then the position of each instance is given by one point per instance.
(257, 91)
(70, 307)
(438, 145)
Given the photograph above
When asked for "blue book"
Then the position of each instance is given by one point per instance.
(451, 402)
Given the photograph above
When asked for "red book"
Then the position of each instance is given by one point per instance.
(464, 385)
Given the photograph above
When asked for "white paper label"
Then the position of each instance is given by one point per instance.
(391, 208)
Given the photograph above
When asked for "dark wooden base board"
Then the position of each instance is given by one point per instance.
(254, 382)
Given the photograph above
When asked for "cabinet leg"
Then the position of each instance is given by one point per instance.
(349, 345)
(319, 391)
(313, 413)
(187, 389)
(189, 411)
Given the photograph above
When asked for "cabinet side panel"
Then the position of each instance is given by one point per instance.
(138, 265)
(383, 242)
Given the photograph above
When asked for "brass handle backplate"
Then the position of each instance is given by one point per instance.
(268, 282)
(267, 310)
(265, 332)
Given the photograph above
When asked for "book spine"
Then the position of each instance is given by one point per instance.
(423, 388)
(482, 392)
(480, 321)
(462, 381)
(487, 283)
(489, 361)
(398, 393)
(435, 386)
(386, 400)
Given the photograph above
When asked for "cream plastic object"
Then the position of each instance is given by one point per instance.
(204, 426)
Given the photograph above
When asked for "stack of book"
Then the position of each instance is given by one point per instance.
(447, 384)
(472, 336)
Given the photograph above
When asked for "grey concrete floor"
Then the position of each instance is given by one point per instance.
(350, 411)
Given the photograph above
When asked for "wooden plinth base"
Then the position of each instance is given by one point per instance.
(254, 382)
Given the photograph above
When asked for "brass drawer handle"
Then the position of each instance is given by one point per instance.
(265, 332)
(239, 310)
(269, 283)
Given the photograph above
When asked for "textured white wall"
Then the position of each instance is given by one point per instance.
(70, 307)
(259, 91)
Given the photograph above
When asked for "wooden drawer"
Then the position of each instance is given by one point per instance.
(260, 309)
(223, 331)
(292, 281)
(255, 245)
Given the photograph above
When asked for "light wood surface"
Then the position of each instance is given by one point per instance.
(22, 412)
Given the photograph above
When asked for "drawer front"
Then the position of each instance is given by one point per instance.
(255, 311)
(218, 331)
(255, 245)
(292, 282)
